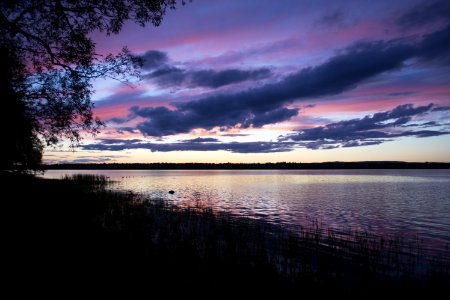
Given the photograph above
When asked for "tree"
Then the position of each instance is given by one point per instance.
(48, 62)
(19, 143)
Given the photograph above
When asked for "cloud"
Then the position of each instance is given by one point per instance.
(248, 147)
(336, 18)
(122, 130)
(162, 121)
(426, 124)
(370, 130)
(441, 108)
(90, 159)
(169, 75)
(215, 79)
(118, 98)
(399, 94)
(309, 105)
(234, 134)
(118, 141)
(154, 59)
(435, 45)
(273, 116)
(264, 105)
(356, 144)
(83, 161)
(333, 18)
(201, 140)
(425, 13)
(261, 52)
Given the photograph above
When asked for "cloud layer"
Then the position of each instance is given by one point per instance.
(266, 104)
(425, 13)
(235, 147)
(165, 74)
(371, 130)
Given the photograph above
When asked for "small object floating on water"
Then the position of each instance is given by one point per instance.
(171, 192)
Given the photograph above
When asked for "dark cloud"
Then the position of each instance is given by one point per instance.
(85, 160)
(234, 134)
(336, 18)
(309, 106)
(266, 104)
(248, 147)
(166, 75)
(435, 45)
(425, 13)
(215, 79)
(426, 124)
(118, 141)
(201, 140)
(399, 94)
(161, 70)
(269, 117)
(441, 108)
(118, 98)
(358, 144)
(429, 124)
(170, 76)
(162, 121)
(122, 130)
(154, 59)
(121, 120)
(370, 130)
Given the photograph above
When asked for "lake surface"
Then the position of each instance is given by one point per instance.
(407, 203)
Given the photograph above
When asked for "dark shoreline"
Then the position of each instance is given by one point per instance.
(252, 166)
(85, 236)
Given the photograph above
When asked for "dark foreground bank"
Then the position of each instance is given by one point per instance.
(74, 234)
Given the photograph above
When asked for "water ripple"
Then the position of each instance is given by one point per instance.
(410, 203)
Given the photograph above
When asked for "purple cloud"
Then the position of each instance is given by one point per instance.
(425, 13)
(265, 105)
(370, 130)
(154, 59)
(442, 108)
(167, 75)
(400, 94)
(248, 147)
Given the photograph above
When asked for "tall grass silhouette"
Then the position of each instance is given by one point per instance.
(119, 234)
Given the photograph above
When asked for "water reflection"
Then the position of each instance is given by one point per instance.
(401, 202)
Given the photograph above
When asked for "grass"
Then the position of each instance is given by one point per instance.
(76, 225)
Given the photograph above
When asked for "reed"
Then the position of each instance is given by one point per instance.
(121, 234)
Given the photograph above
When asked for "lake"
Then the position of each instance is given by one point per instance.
(407, 203)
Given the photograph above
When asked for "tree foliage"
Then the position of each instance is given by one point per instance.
(51, 60)
(19, 143)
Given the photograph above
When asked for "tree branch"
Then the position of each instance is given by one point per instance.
(54, 60)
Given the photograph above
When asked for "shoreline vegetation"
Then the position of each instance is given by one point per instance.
(76, 233)
(250, 166)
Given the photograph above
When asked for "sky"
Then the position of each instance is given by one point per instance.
(271, 81)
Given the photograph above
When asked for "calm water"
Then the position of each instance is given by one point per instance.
(402, 202)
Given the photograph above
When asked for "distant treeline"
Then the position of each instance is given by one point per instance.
(250, 166)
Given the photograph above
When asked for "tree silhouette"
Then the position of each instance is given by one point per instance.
(19, 143)
(48, 61)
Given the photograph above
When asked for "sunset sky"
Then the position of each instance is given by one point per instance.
(270, 81)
